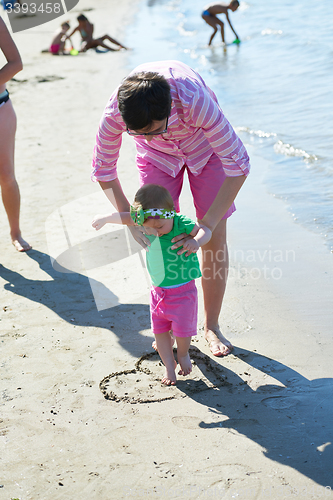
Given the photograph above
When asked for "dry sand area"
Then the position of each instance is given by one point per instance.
(82, 412)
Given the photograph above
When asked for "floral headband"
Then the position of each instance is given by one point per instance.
(139, 215)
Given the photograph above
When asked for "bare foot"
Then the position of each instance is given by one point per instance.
(172, 338)
(218, 344)
(20, 244)
(170, 376)
(185, 364)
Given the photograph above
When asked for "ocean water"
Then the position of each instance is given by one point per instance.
(275, 87)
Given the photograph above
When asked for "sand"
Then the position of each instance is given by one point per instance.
(82, 411)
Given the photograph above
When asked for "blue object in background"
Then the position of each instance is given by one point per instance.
(7, 4)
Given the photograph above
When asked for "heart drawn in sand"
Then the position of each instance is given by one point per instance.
(143, 385)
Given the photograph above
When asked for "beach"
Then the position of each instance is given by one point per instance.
(82, 411)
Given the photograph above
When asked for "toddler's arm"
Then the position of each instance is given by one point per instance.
(201, 235)
(116, 218)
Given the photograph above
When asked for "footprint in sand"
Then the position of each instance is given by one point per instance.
(49, 78)
(231, 480)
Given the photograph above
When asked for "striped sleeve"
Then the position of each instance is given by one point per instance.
(107, 146)
(206, 114)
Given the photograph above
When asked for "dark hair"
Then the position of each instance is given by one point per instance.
(142, 98)
(82, 17)
(235, 2)
(153, 196)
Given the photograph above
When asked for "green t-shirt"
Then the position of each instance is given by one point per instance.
(165, 267)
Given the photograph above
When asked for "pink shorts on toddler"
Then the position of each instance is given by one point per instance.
(54, 49)
(174, 309)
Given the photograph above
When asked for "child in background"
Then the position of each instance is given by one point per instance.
(209, 15)
(59, 40)
(173, 296)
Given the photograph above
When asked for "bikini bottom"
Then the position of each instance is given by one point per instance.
(4, 96)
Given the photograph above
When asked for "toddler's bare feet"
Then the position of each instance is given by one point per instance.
(172, 339)
(20, 244)
(185, 364)
(218, 344)
(170, 375)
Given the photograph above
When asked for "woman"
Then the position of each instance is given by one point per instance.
(86, 29)
(9, 187)
(178, 126)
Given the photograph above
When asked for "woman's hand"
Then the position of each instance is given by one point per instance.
(138, 233)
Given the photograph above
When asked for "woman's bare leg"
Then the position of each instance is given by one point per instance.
(107, 37)
(102, 44)
(96, 42)
(9, 187)
(215, 264)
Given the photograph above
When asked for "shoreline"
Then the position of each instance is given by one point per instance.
(288, 249)
(254, 424)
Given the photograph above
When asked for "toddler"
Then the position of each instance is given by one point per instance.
(58, 43)
(173, 296)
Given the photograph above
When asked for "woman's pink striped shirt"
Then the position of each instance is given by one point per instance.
(197, 128)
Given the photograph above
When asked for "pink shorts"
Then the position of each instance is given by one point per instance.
(204, 187)
(174, 309)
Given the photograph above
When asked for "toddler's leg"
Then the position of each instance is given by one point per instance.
(164, 347)
(183, 345)
(172, 340)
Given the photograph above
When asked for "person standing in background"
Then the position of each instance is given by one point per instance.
(209, 15)
(9, 188)
(178, 125)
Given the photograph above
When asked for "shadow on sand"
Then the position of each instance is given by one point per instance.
(292, 422)
(75, 303)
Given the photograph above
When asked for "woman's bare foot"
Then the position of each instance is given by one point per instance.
(170, 376)
(20, 244)
(218, 344)
(172, 338)
(185, 364)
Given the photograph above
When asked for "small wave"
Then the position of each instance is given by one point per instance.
(243, 6)
(280, 147)
(182, 31)
(271, 32)
(192, 53)
(289, 150)
(258, 133)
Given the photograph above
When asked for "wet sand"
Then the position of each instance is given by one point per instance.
(82, 411)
